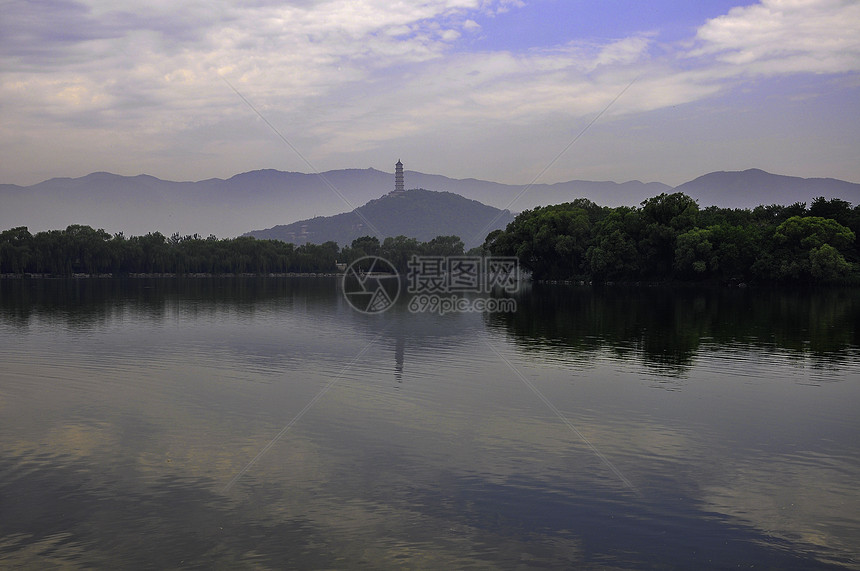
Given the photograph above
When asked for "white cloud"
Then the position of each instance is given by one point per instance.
(786, 36)
(623, 52)
(280, 54)
(360, 74)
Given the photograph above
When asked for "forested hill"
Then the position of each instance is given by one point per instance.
(420, 214)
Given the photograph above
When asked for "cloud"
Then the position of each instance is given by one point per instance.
(362, 74)
(785, 36)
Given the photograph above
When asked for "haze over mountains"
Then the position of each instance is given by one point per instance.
(268, 198)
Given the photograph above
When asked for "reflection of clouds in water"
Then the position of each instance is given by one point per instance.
(377, 516)
(66, 511)
(808, 498)
(457, 465)
(289, 509)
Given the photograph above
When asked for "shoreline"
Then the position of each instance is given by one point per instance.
(110, 276)
(850, 282)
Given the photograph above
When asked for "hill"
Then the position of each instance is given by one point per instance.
(418, 213)
(753, 187)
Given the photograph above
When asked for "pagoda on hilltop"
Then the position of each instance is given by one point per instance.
(398, 179)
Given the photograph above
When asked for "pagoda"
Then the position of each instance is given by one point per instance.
(398, 178)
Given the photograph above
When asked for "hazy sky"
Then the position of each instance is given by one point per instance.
(491, 89)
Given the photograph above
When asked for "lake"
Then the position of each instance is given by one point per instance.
(264, 423)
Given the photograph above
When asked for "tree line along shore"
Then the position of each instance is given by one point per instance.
(81, 251)
(668, 238)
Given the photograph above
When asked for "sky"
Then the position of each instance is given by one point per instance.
(513, 91)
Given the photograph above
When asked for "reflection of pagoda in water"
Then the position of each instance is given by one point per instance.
(399, 355)
(398, 179)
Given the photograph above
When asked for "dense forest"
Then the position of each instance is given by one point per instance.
(82, 250)
(669, 238)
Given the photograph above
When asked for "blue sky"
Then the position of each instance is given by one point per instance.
(544, 23)
(490, 89)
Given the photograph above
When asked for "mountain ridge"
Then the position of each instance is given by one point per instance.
(269, 197)
(751, 187)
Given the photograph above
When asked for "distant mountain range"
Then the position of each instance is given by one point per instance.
(418, 213)
(753, 187)
(270, 198)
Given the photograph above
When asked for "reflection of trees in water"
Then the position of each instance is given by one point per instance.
(669, 326)
(87, 302)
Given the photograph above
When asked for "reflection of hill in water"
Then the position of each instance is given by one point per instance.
(668, 326)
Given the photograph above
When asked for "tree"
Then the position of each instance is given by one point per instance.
(835, 209)
(665, 216)
(16, 251)
(613, 254)
(443, 246)
(812, 232)
(826, 263)
(694, 253)
(399, 250)
(366, 246)
(676, 210)
(810, 248)
(549, 241)
(490, 241)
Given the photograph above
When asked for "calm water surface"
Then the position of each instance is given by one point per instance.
(266, 424)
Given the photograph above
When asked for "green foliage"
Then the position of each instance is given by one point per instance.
(16, 250)
(81, 249)
(812, 232)
(366, 246)
(809, 249)
(835, 209)
(677, 210)
(827, 264)
(694, 253)
(670, 238)
(613, 254)
(399, 250)
(550, 241)
(443, 246)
